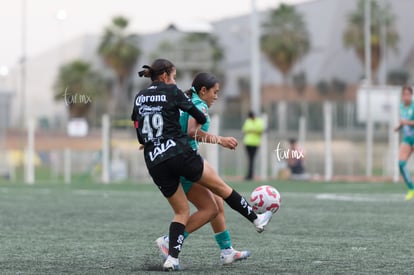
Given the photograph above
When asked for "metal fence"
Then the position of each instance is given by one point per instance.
(348, 148)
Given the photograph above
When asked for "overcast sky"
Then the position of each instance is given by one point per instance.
(44, 30)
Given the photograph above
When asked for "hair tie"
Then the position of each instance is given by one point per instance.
(147, 67)
(193, 89)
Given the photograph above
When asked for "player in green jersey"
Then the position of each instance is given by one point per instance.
(210, 207)
(407, 130)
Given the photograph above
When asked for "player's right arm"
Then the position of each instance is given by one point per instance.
(185, 104)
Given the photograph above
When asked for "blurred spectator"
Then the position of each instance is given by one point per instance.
(252, 128)
(296, 161)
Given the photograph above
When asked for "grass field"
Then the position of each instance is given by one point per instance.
(321, 228)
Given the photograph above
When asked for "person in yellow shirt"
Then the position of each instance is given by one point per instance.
(253, 128)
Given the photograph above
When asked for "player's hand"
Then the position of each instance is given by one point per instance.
(398, 128)
(229, 142)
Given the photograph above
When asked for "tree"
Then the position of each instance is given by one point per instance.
(381, 17)
(79, 87)
(212, 46)
(285, 40)
(192, 53)
(119, 50)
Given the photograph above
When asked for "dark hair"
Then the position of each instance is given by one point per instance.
(251, 115)
(408, 88)
(201, 80)
(292, 141)
(158, 67)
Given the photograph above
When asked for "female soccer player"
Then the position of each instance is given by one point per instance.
(407, 144)
(168, 154)
(203, 93)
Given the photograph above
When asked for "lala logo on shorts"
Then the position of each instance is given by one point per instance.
(162, 148)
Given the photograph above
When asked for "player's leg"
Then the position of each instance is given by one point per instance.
(207, 209)
(212, 181)
(181, 210)
(165, 177)
(250, 165)
(228, 254)
(404, 154)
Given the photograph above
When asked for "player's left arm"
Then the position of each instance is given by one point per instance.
(406, 122)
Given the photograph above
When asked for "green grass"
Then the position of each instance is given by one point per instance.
(321, 228)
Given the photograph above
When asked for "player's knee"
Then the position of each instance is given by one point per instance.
(220, 209)
(214, 211)
(210, 210)
(402, 164)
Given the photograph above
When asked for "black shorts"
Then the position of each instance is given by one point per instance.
(166, 175)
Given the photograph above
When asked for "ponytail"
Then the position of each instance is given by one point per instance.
(146, 72)
(158, 67)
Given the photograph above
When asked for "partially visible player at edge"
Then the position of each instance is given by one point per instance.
(407, 144)
(204, 92)
(168, 154)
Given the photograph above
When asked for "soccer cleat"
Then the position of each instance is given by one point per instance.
(410, 195)
(171, 264)
(262, 220)
(164, 246)
(231, 255)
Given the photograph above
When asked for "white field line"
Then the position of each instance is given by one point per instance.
(354, 197)
(361, 197)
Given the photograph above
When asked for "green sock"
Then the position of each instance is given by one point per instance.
(223, 239)
(406, 176)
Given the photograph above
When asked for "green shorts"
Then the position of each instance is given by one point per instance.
(186, 184)
(408, 140)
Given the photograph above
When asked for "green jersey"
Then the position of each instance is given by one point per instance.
(184, 117)
(407, 113)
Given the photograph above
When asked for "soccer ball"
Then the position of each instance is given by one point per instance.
(265, 198)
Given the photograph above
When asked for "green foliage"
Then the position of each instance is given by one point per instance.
(285, 39)
(300, 82)
(194, 52)
(381, 16)
(119, 49)
(79, 87)
(120, 52)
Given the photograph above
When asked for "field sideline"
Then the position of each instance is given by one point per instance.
(89, 228)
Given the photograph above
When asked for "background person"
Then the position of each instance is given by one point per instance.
(252, 128)
(296, 161)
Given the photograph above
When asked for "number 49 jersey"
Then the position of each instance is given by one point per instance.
(157, 111)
